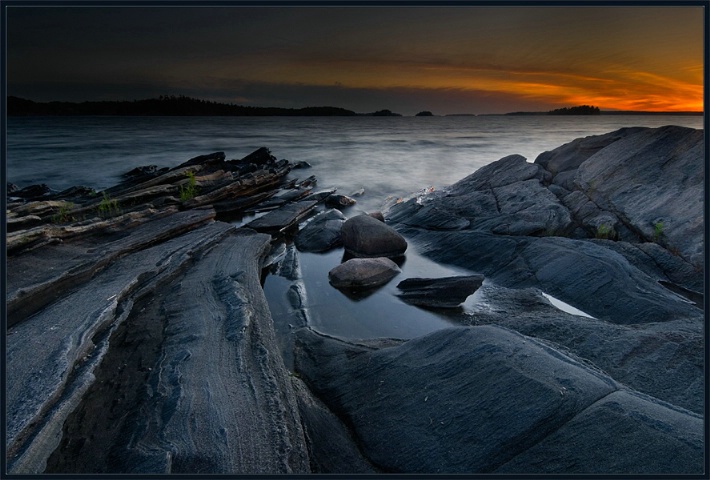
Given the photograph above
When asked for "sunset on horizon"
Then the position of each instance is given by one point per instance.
(449, 60)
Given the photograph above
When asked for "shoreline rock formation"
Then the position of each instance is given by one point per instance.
(140, 340)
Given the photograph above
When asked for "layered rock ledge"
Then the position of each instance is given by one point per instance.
(140, 340)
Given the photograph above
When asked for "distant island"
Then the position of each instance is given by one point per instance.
(592, 110)
(170, 105)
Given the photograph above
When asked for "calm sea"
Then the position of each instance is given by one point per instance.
(387, 156)
(384, 155)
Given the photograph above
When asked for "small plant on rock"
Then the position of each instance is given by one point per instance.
(605, 232)
(63, 215)
(108, 207)
(188, 192)
(658, 232)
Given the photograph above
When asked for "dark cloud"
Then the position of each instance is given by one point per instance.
(449, 60)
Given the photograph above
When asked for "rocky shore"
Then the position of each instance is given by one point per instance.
(140, 340)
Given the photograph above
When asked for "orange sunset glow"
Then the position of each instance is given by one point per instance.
(465, 59)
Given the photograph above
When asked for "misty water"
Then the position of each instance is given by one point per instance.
(386, 156)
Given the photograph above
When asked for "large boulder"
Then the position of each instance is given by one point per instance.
(481, 399)
(363, 273)
(365, 236)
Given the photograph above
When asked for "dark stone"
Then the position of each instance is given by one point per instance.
(301, 164)
(322, 233)
(447, 292)
(33, 191)
(363, 273)
(142, 171)
(261, 156)
(364, 236)
(378, 216)
(209, 159)
(339, 201)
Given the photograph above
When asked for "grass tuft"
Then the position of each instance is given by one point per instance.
(188, 192)
(108, 207)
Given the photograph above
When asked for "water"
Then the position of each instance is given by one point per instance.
(384, 155)
(387, 156)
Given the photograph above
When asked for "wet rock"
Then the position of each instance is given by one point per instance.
(301, 164)
(364, 236)
(322, 233)
(33, 191)
(284, 218)
(378, 216)
(451, 402)
(446, 292)
(339, 201)
(363, 273)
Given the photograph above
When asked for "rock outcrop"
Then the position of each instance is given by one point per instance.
(489, 400)
(140, 340)
(139, 336)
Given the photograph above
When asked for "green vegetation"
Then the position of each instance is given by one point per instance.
(188, 192)
(63, 216)
(658, 233)
(108, 207)
(606, 232)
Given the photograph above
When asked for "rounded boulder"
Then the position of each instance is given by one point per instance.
(365, 236)
(363, 273)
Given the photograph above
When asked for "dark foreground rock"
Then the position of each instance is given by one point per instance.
(448, 292)
(139, 336)
(488, 400)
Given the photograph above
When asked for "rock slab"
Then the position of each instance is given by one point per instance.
(447, 292)
(476, 399)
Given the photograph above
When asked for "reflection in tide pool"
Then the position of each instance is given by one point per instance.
(377, 313)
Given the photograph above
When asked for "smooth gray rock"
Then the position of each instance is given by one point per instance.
(363, 273)
(656, 438)
(330, 445)
(568, 157)
(364, 236)
(653, 177)
(322, 233)
(446, 292)
(472, 400)
(664, 360)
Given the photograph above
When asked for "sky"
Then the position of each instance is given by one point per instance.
(448, 60)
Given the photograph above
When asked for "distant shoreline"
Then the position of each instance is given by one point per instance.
(186, 106)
